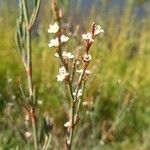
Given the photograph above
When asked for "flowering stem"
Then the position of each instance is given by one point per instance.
(79, 84)
(66, 75)
(73, 70)
(80, 100)
(75, 111)
(29, 64)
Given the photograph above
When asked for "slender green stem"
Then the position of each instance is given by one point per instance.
(29, 64)
(73, 70)
(35, 13)
(34, 134)
(79, 83)
(74, 111)
(72, 128)
(48, 142)
(29, 50)
(70, 78)
(80, 100)
(25, 11)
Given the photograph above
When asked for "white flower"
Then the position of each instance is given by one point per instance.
(87, 57)
(88, 37)
(60, 77)
(64, 38)
(98, 30)
(68, 124)
(53, 28)
(68, 142)
(67, 55)
(79, 93)
(86, 71)
(55, 42)
(62, 74)
(27, 134)
(27, 117)
(62, 70)
(56, 55)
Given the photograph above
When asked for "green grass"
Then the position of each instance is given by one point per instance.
(120, 75)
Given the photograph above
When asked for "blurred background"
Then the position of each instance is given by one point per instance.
(116, 115)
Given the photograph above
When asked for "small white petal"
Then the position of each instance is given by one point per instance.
(87, 57)
(67, 55)
(62, 70)
(79, 93)
(28, 134)
(87, 72)
(62, 74)
(53, 28)
(74, 93)
(56, 54)
(27, 117)
(60, 77)
(88, 37)
(68, 142)
(64, 38)
(67, 124)
(53, 43)
(98, 30)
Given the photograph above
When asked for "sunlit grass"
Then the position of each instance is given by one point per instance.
(120, 67)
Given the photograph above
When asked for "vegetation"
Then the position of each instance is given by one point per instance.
(115, 113)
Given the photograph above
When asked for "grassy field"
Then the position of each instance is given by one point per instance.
(118, 90)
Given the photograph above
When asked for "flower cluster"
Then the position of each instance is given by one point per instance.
(65, 55)
(98, 30)
(90, 36)
(55, 42)
(74, 74)
(89, 39)
(62, 74)
(87, 57)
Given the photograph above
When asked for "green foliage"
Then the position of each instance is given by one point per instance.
(119, 85)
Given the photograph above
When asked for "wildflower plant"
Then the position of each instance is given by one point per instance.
(73, 70)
